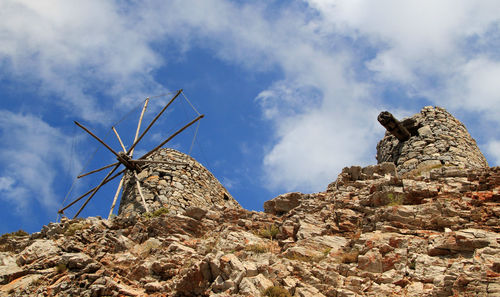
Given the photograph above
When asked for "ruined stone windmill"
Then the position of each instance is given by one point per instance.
(431, 138)
(135, 167)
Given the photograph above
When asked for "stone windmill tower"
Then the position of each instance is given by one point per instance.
(429, 139)
(174, 181)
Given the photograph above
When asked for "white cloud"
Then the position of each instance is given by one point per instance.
(313, 147)
(73, 48)
(31, 155)
(318, 131)
(426, 46)
(476, 87)
(493, 148)
(6, 183)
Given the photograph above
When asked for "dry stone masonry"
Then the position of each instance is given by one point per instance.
(437, 139)
(177, 185)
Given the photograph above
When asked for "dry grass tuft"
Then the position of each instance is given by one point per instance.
(269, 232)
(276, 291)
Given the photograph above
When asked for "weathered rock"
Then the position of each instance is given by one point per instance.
(196, 212)
(308, 291)
(253, 286)
(307, 230)
(39, 249)
(371, 261)
(8, 268)
(283, 203)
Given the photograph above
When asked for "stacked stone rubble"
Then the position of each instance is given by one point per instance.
(438, 139)
(177, 185)
(371, 233)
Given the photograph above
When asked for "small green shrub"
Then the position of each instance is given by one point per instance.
(17, 233)
(395, 199)
(72, 228)
(269, 231)
(304, 258)
(326, 251)
(156, 213)
(276, 291)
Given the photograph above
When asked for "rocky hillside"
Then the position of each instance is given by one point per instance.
(432, 232)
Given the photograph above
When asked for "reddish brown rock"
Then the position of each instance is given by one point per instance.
(371, 233)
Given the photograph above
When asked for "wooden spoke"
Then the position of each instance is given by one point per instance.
(139, 125)
(97, 170)
(140, 191)
(95, 191)
(119, 139)
(116, 197)
(98, 139)
(90, 191)
(172, 136)
(153, 121)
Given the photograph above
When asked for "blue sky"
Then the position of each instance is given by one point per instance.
(290, 89)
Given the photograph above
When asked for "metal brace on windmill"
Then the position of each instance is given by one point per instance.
(125, 158)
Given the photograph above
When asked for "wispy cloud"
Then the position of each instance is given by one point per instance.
(445, 51)
(74, 50)
(493, 148)
(34, 156)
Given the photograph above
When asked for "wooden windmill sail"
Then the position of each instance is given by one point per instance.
(126, 159)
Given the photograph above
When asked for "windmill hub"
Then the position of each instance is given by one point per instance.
(127, 162)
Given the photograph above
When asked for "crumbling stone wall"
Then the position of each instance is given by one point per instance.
(177, 185)
(437, 139)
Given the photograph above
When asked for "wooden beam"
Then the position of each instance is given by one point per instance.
(393, 126)
(153, 121)
(116, 197)
(98, 139)
(172, 136)
(95, 191)
(140, 191)
(97, 170)
(90, 191)
(119, 139)
(139, 125)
